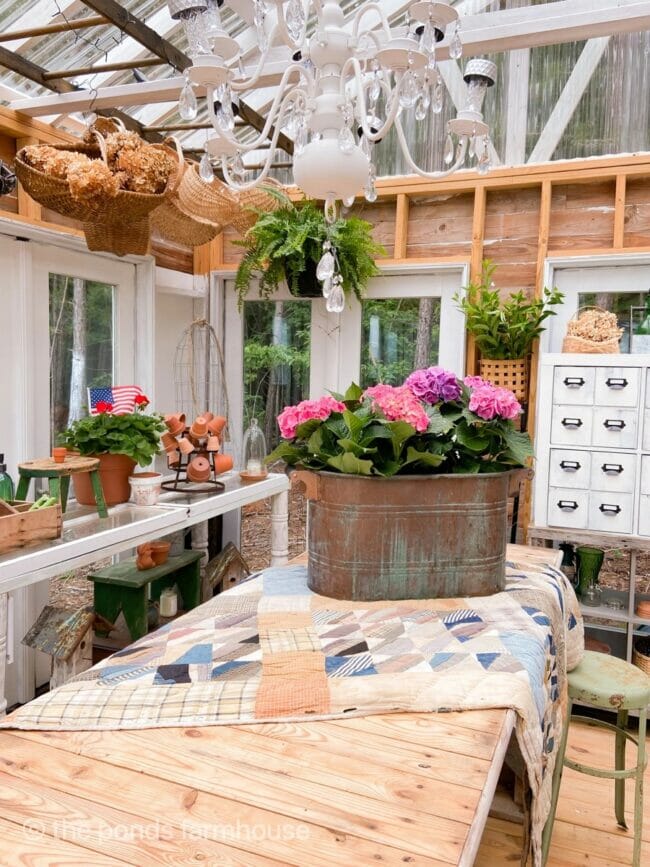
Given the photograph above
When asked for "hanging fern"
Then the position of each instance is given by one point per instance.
(283, 243)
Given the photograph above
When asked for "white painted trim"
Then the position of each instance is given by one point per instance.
(172, 282)
(517, 106)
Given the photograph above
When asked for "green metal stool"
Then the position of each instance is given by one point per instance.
(608, 683)
(58, 478)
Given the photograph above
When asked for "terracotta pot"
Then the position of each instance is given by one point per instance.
(175, 424)
(144, 561)
(145, 488)
(208, 416)
(213, 444)
(160, 552)
(59, 454)
(216, 425)
(222, 463)
(173, 458)
(114, 472)
(200, 427)
(169, 442)
(186, 446)
(199, 469)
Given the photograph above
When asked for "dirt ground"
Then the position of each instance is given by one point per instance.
(73, 590)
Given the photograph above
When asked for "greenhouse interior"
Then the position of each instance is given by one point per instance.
(338, 316)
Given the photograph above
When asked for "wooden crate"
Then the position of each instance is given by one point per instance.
(27, 528)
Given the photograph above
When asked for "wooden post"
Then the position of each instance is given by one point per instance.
(401, 225)
(209, 256)
(619, 212)
(27, 207)
(542, 252)
(476, 264)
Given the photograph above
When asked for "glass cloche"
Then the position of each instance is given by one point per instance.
(254, 450)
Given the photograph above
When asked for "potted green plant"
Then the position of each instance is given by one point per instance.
(286, 245)
(505, 328)
(407, 485)
(120, 442)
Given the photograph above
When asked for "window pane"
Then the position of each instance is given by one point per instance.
(81, 345)
(276, 360)
(628, 307)
(398, 335)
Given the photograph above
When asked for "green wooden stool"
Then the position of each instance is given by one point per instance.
(608, 683)
(123, 587)
(58, 478)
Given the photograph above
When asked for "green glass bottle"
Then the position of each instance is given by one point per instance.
(641, 331)
(6, 483)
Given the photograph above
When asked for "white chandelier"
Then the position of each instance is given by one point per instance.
(347, 85)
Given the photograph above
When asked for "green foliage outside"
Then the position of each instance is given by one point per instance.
(504, 328)
(134, 434)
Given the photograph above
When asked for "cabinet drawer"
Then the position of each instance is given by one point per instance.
(644, 515)
(573, 385)
(645, 474)
(569, 469)
(646, 430)
(614, 428)
(571, 425)
(617, 386)
(611, 471)
(568, 508)
(610, 512)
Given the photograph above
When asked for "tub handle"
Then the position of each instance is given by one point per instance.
(306, 482)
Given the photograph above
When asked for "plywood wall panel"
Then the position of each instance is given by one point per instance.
(582, 216)
(637, 213)
(440, 226)
(511, 237)
(382, 217)
(173, 256)
(232, 253)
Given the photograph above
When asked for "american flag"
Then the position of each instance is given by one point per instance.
(120, 397)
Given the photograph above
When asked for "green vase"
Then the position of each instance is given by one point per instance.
(590, 561)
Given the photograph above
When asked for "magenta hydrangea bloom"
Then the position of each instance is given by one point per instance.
(293, 416)
(475, 381)
(489, 402)
(398, 403)
(434, 385)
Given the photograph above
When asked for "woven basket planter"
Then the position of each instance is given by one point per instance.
(641, 658)
(174, 224)
(510, 373)
(608, 345)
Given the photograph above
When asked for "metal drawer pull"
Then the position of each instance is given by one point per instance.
(609, 510)
(614, 423)
(573, 381)
(615, 382)
(572, 422)
(567, 505)
(612, 468)
(570, 465)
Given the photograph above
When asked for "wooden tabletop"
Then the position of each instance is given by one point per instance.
(391, 789)
(48, 467)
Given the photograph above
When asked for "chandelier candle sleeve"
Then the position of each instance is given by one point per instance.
(330, 96)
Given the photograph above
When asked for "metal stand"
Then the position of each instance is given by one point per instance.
(181, 482)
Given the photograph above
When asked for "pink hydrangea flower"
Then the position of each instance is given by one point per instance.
(398, 403)
(475, 381)
(292, 416)
(489, 402)
(434, 384)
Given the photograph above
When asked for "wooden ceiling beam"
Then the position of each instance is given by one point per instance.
(48, 29)
(164, 49)
(104, 67)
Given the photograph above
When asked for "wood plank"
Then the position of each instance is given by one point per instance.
(401, 226)
(476, 266)
(619, 212)
(29, 849)
(333, 835)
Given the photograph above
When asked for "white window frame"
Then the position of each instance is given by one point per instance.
(608, 264)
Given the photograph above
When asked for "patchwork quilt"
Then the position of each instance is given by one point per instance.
(271, 650)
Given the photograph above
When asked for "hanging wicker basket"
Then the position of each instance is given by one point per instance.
(252, 202)
(510, 373)
(212, 202)
(600, 325)
(641, 655)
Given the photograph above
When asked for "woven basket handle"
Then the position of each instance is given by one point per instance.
(180, 169)
(101, 144)
(580, 310)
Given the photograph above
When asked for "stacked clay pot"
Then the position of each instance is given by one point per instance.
(199, 443)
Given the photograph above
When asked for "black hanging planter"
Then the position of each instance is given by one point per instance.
(309, 285)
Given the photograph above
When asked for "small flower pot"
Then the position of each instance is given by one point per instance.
(213, 444)
(145, 488)
(175, 424)
(199, 469)
(216, 425)
(208, 416)
(199, 428)
(222, 463)
(160, 552)
(173, 458)
(59, 454)
(169, 442)
(186, 446)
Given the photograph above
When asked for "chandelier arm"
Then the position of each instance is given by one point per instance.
(284, 31)
(247, 83)
(460, 159)
(371, 7)
(228, 177)
(242, 85)
(394, 107)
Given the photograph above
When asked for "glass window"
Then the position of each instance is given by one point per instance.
(276, 360)
(398, 336)
(629, 308)
(81, 345)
